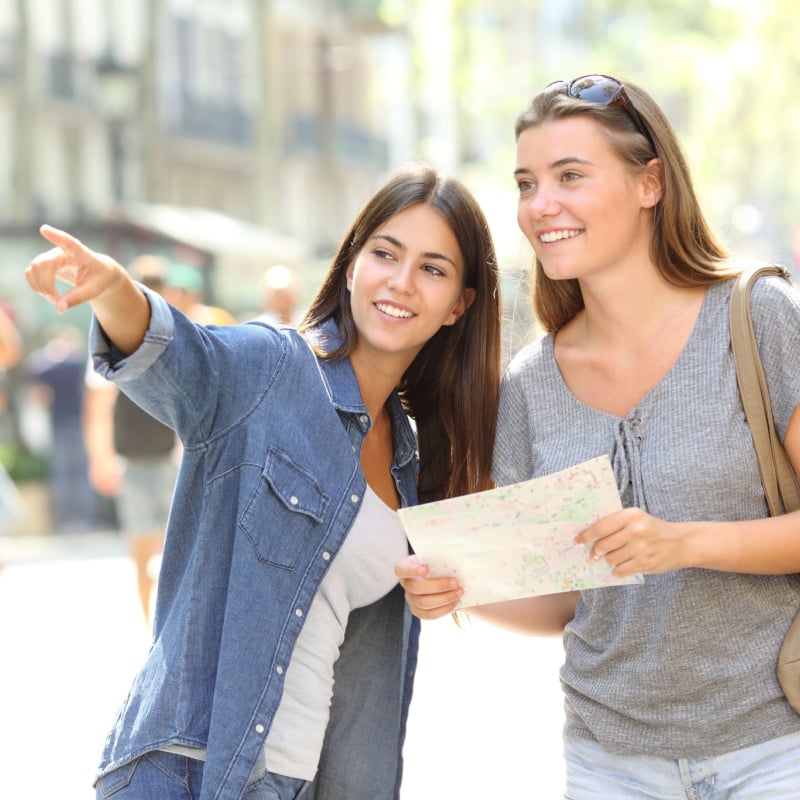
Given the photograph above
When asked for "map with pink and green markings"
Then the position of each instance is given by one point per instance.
(517, 540)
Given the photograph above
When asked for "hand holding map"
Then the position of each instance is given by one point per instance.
(517, 541)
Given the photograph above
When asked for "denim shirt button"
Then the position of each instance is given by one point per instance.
(364, 419)
(259, 728)
(279, 670)
(354, 498)
(298, 612)
(326, 556)
(293, 500)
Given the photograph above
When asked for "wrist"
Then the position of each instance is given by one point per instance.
(697, 544)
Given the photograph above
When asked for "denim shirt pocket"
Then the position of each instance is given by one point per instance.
(284, 511)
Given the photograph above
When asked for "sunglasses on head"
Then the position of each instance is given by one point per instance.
(601, 90)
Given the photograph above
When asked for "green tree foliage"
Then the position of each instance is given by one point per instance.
(725, 71)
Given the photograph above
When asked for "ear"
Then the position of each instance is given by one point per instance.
(349, 275)
(466, 299)
(652, 183)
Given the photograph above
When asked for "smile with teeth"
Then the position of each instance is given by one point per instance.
(555, 236)
(393, 311)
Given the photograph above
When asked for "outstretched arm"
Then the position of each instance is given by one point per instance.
(119, 305)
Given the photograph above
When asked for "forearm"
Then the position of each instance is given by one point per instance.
(544, 615)
(769, 546)
(124, 315)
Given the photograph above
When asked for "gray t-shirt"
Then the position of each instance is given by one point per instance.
(683, 665)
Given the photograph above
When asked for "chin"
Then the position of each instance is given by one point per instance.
(560, 272)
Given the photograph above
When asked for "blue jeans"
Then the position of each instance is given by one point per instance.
(168, 776)
(767, 771)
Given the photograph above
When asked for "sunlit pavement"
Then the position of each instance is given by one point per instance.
(71, 635)
(486, 718)
(485, 722)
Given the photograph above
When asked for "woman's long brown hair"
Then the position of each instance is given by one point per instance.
(451, 388)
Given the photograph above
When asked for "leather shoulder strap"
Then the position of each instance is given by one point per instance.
(778, 477)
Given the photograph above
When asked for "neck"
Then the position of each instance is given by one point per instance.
(376, 381)
(629, 307)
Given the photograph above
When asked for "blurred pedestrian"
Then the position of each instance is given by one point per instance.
(283, 653)
(10, 341)
(11, 347)
(671, 687)
(279, 296)
(132, 456)
(10, 353)
(183, 288)
(54, 377)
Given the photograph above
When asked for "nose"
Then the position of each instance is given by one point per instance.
(542, 202)
(537, 206)
(402, 278)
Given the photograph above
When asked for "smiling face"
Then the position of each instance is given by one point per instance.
(405, 283)
(581, 206)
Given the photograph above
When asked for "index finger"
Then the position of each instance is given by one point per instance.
(66, 241)
(599, 529)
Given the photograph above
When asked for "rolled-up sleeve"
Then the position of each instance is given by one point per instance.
(109, 363)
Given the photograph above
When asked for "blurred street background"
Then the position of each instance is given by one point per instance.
(485, 720)
(228, 137)
(233, 135)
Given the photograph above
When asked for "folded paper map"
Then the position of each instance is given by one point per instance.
(517, 540)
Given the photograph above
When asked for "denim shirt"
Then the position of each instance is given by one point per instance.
(269, 486)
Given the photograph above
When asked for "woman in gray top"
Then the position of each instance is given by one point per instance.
(670, 685)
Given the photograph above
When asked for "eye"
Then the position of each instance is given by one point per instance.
(569, 176)
(525, 186)
(432, 269)
(382, 253)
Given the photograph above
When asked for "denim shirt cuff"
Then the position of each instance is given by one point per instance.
(111, 364)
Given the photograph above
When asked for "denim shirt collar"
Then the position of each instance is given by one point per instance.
(345, 395)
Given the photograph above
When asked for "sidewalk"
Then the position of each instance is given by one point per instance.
(485, 722)
(486, 716)
(72, 635)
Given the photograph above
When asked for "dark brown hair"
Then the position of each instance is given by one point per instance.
(451, 388)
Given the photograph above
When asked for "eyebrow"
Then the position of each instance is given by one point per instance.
(428, 254)
(562, 162)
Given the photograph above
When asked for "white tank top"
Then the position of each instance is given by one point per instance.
(361, 574)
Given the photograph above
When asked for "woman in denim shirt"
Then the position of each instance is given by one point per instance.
(297, 453)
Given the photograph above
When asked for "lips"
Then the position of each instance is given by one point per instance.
(394, 311)
(556, 236)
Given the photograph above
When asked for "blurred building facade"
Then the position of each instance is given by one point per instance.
(251, 108)
(277, 115)
(282, 115)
